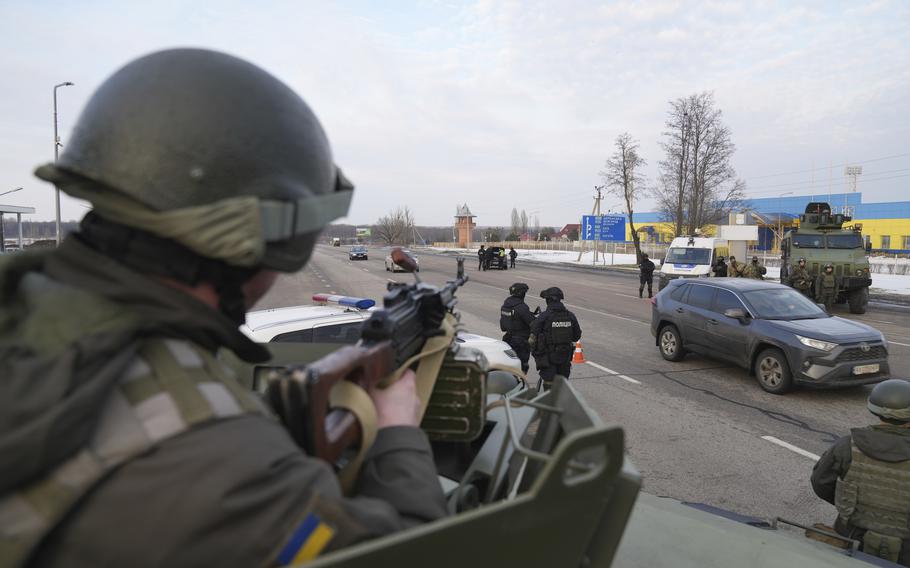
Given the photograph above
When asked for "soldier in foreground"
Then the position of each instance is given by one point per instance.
(553, 337)
(646, 275)
(866, 475)
(826, 287)
(118, 419)
(515, 319)
(513, 254)
(754, 270)
(481, 257)
(800, 279)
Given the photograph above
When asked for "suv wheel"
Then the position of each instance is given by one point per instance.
(670, 343)
(773, 371)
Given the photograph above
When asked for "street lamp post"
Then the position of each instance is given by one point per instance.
(57, 151)
(780, 229)
(2, 233)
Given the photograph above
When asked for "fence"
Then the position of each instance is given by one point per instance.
(651, 249)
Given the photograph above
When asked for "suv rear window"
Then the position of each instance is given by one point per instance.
(700, 296)
(679, 293)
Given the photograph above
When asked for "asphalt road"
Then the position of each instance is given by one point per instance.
(698, 430)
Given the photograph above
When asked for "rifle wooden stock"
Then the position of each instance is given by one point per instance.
(335, 430)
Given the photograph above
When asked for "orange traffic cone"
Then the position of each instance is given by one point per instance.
(579, 355)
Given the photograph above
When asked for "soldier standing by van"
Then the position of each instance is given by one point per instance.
(800, 279)
(754, 270)
(481, 257)
(515, 319)
(736, 269)
(512, 255)
(866, 475)
(646, 275)
(553, 337)
(720, 268)
(826, 287)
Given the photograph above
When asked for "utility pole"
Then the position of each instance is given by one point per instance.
(598, 196)
(57, 151)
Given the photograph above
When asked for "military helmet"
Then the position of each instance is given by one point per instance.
(754, 259)
(207, 150)
(553, 293)
(829, 265)
(720, 259)
(802, 260)
(890, 400)
(518, 289)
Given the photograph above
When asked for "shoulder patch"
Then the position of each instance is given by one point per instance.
(307, 542)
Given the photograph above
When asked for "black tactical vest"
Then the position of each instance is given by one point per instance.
(560, 328)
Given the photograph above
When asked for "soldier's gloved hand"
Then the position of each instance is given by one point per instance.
(398, 404)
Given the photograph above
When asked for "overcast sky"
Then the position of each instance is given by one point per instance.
(501, 104)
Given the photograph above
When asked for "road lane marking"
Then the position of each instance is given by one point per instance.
(791, 447)
(882, 321)
(626, 295)
(901, 344)
(614, 373)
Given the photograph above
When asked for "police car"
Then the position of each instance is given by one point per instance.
(337, 320)
(390, 265)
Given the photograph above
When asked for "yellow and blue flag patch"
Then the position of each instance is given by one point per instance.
(305, 544)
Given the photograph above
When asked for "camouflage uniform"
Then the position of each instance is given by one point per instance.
(801, 280)
(826, 289)
(754, 270)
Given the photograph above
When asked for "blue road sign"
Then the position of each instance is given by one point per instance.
(603, 228)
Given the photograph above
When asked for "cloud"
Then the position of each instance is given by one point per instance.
(498, 104)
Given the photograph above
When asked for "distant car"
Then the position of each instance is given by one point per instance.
(768, 328)
(336, 242)
(358, 253)
(392, 267)
(500, 258)
(340, 322)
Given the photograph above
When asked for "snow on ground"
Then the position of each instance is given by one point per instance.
(881, 283)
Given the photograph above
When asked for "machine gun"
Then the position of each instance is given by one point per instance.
(392, 339)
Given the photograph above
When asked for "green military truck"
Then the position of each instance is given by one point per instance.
(822, 238)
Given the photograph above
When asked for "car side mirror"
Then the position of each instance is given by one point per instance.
(737, 314)
(823, 308)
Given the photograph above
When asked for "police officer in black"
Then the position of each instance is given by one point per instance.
(553, 337)
(646, 276)
(481, 256)
(515, 319)
(720, 269)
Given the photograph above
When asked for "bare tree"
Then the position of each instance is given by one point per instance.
(396, 228)
(622, 178)
(524, 222)
(516, 221)
(697, 184)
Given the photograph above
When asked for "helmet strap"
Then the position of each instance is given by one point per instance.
(149, 254)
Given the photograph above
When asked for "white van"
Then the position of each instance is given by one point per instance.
(691, 257)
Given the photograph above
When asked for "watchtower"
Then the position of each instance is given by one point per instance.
(464, 225)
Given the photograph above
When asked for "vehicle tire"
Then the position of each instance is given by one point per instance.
(386, 267)
(773, 372)
(858, 300)
(670, 343)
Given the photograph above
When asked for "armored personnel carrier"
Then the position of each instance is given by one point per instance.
(822, 238)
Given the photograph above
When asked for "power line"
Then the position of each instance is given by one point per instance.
(803, 182)
(853, 162)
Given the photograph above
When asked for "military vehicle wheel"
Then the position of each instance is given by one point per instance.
(858, 300)
(773, 371)
(670, 343)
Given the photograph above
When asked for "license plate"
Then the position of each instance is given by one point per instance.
(865, 369)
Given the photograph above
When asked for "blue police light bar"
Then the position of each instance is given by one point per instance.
(349, 301)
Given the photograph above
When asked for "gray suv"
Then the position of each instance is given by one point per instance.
(768, 328)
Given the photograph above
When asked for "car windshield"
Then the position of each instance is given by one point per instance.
(782, 304)
(853, 241)
(808, 241)
(359, 249)
(688, 255)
